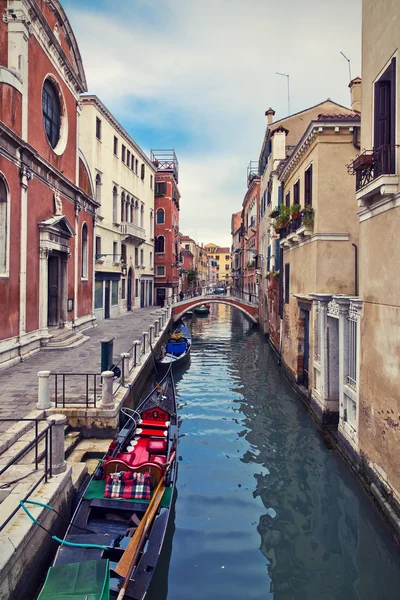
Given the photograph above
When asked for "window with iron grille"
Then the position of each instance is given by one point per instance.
(51, 107)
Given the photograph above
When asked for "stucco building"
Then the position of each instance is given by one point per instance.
(370, 426)
(46, 206)
(199, 259)
(219, 264)
(166, 229)
(236, 232)
(123, 178)
(249, 251)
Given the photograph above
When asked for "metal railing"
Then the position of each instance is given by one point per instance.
(370, 164)
(66, 383)
(45, 435)
(305, 218)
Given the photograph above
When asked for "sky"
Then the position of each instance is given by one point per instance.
(198, 76)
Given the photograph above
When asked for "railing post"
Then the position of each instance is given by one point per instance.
(156, 326)
(144, 342)
(43, 390)
(58, 423)
(125, 366)
(138, 352)
(107, 400)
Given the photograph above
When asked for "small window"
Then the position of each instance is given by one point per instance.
(227, 257)
(123, 288)
(98, 128)
(51, 108)
(84, 250)
(136, 287)
(217, 258)
(151, 182)
(136, 257)
(287, 283)
(136, 166)
(308, 187)
(114, 293)
(160, 216)
(115, 146)
(115, 252)
(187, 246)
(226, 267)
(160, 244)
(123, 253)
(98, 188)
(287, 199)
(160, 271)
(128, 157)
(142, 216)
(98, 247)
(296, 193)
(141, 258)
(142, 172)
(123, 150)
(98, 294)
(161, 188)
(3, 226)
(132, 162)
(151, 260)
(115, 205)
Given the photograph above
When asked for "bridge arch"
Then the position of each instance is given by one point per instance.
(249, 310)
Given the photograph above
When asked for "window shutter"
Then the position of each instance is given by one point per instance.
(269, 259)
(277, 254)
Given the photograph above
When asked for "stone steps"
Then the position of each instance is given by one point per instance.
(65, 338)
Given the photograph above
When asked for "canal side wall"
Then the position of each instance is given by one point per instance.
(375, 484)
(26, 549)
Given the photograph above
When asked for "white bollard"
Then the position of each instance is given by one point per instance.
(58, 464)
(138, 352)
(145, 333)
(107, 400)
(156, 325)
(125, 366)
(160, 324)
(151, 334)
(43, 390)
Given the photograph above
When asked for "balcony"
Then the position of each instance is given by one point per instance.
(134, 232)
(297, 229)
(375, 172)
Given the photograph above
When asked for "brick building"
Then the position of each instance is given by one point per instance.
(46, 206)
(166, 225)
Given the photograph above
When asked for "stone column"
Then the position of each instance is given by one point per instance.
(43, 290)
(58, 463)
(124, 367)
(64, 287)
(144, 349)
(43, 390)
(343, 303)
(151, 334)
(160, 324)
(156, 325)
(138, 352)
(107, 400)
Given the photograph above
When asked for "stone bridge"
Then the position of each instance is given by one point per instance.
(250, 309)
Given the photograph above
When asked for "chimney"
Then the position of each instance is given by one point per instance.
(270, 114)
(355, 92)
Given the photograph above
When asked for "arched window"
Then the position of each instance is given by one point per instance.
(142, 215)
(160, 216)
(160, 244)
(84, 251)
(98, 188)
(123, 206)
(128, 209)
(51, 112)
(137, 212)
(115, 204)
(132, 208)
(3, 226)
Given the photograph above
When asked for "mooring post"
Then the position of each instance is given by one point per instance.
(43, 390)
(156, 324)
(58, 464)
(107, 400)
(144, 342)
(151, 334)
(160, 324)
(138, 348)
(125, 366)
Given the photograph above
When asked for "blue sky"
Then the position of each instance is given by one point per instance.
(198, 76)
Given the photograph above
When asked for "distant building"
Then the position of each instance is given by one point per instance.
(199, 259)
(124, 186)
(47, 209)
(249, 240)
(219, 265)
(188, 273)
(166, 229)
(236, 232)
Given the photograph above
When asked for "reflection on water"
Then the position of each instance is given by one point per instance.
(264, 508)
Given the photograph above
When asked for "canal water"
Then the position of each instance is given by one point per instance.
(264, 509)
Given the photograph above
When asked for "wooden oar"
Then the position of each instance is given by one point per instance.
(129, 558)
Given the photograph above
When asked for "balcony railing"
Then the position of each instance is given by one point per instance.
(133, 231)
(304, 224)
(371, 164)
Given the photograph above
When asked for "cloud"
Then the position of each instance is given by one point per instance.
(200, 75)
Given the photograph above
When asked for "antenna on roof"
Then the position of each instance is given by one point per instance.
(288, 89)
(348, 60)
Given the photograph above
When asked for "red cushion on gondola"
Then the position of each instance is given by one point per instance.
(157, 446)
(152, 423)
(158, 460)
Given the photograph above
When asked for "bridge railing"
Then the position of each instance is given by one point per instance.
(229, 292)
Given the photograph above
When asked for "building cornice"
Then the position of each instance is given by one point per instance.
(315, 128)
(93, 100)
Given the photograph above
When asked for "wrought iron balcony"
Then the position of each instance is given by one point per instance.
(296, 229)
(136, 233)
(371, 164)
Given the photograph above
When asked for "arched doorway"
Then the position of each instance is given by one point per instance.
(129, 298)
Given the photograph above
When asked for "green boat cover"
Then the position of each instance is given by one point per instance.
(88, 580)
(96, 489)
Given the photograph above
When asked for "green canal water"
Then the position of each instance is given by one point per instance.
(264, 509)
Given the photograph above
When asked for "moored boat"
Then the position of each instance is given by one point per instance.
(202, 310)
(176, 351)
(112, 545)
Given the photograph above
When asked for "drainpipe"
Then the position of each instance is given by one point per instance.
(356, 269)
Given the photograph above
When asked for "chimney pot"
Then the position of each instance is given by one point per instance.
(355, 91)
(270, 114)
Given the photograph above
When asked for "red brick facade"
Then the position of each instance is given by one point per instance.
(46, 277)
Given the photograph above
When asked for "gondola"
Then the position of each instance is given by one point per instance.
(202, 310)
(112, 545)
(176, 351)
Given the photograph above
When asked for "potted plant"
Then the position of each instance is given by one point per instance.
(275, 273)
(284, 215)
(308, 216)
(295, 211)
(274, 213)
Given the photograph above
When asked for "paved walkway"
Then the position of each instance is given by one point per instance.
(19, 384)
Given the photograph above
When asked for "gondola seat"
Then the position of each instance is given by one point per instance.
(116, 465)
(154, 446)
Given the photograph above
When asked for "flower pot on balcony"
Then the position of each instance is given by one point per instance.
(362, 161)
(295, 216)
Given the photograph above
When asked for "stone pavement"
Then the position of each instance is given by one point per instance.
(19, 384)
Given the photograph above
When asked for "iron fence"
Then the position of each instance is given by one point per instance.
(70, 384)
(45, 435)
